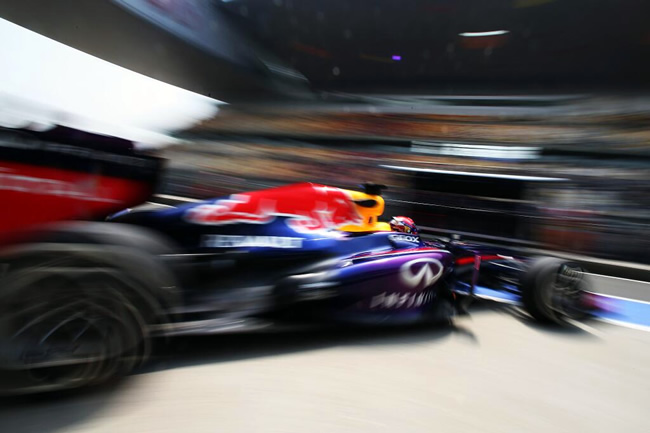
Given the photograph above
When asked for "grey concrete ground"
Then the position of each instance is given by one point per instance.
(632, 289)
(492, 372)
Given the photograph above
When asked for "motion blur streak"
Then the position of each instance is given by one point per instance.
(50, 83)
(417, 216)
(480, 34)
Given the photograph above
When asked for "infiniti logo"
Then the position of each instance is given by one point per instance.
(420, 272)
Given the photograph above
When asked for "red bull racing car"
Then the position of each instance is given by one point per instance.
(82, 303)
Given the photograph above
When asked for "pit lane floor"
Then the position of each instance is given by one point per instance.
(494, 371)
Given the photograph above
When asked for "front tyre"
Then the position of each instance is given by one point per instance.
(553, 290)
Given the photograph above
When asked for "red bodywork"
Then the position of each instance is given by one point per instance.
(308, 206)
(68, 175)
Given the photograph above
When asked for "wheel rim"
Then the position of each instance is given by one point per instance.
(566, 291)
(62, 336)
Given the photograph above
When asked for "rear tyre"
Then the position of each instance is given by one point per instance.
(553, 291)
(67, 327)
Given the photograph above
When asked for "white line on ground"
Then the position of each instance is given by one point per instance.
(618, 278)
(590, 329)
(621, 298)
(625, 324)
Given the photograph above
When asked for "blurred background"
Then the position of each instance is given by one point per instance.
(515, 122)
(521, 120)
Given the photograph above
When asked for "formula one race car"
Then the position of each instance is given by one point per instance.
(81, 304)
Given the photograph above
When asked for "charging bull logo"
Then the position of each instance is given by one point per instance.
(306, 207)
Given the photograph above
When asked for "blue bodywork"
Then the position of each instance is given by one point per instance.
(262, 264)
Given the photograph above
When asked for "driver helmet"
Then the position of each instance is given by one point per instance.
(403, 224)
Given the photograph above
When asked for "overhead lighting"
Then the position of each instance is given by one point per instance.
(396, 58)
(480, 34)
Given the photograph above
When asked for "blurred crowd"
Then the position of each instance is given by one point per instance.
(589, 206)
